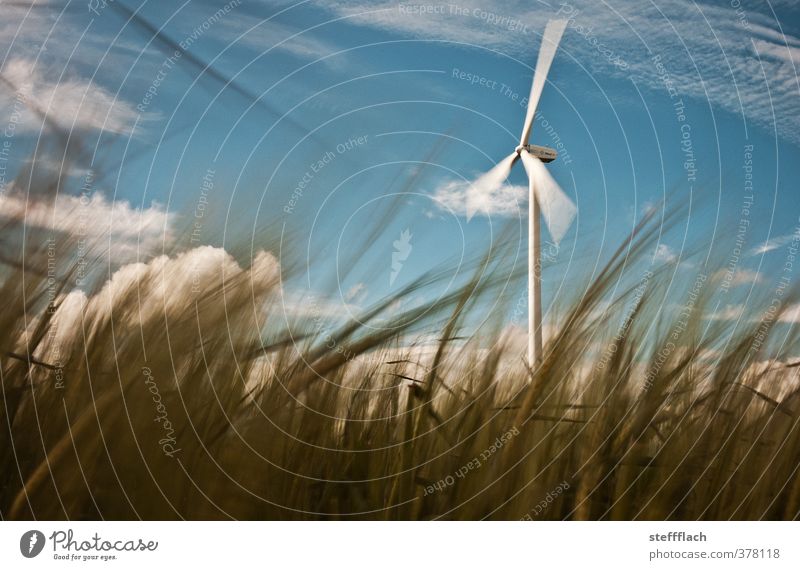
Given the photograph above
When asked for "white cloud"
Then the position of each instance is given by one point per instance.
(128, 232)
(740, 276)
(356, 293)
(665, 254)
(401, 17)
(791, 314)
(507, 200)
(24, 27)
(728, 313)
(770, 245)
(172, 285)
(271, 35)
(515, 337)
(143, 294)
(781, 53)
(324, 311)
(71, 102)
(703, 47)
(649, 208)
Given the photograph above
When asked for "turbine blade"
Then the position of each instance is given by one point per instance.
(558, 210)
(487, 184)
(550, 40)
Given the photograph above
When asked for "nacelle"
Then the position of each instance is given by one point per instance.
(543, 153)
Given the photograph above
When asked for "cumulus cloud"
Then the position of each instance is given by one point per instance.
(126, 231)
(464, 198)
(172, 284)
(139, 295)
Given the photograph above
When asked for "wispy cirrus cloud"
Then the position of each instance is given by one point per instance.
(267, 35)
(69, 101)
(739, 61)
(770, 245)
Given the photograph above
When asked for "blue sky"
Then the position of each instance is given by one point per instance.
(381, 102)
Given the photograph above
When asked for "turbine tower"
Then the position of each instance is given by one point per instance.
(545, 196)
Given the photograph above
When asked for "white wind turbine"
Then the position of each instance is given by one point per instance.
(546, 198)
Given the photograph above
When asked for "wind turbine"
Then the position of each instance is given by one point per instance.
(545, 196)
